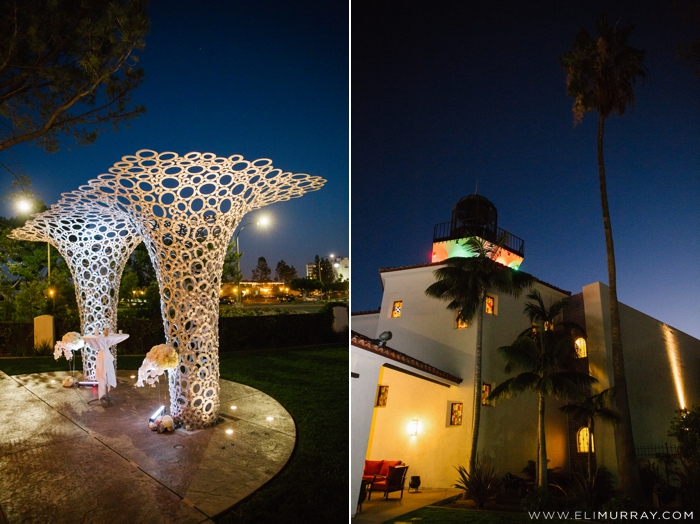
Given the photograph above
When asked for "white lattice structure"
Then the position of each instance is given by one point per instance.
(95, 241)
(186, 208)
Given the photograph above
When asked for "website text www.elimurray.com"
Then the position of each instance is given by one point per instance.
(683, 516)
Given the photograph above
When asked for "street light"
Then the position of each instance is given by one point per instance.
(24, 205)
(52, 294)
(262, 221)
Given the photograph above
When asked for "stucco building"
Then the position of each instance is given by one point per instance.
(422, 378)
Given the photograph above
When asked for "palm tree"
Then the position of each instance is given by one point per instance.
(464, 281)
(545, 355)
(586, 410)
(601, 74)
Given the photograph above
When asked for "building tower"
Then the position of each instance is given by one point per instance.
(476, 216)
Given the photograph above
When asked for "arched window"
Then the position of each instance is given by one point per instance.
(582, 441)
(581, 350)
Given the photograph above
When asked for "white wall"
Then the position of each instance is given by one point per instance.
(437, 447)
(365, 324)
(362, 390)
(426, 332)
(651, 348)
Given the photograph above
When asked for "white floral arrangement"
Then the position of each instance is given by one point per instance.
(159, 359)
(70, 342)
(162, 424)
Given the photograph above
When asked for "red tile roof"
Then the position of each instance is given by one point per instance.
(366, 312)
(366, 343)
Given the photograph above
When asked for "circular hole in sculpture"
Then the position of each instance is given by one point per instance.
(207, 189)
(197, 204)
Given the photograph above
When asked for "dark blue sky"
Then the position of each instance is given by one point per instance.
(445, 93)
(260, 79)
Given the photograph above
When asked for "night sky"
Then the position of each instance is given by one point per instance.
(448, 93)
(259, 79)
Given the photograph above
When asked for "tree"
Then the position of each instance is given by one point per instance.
(586, 410)
(140, 263)
(231, 261)
(285, 273)
(690, 51)
(545, 355)
(262, 272)
(67, 67)
(327, 273)
(464, 281)
(601, 74)
(305, 285)
(685, 427)
(128, 286)
(25, 260)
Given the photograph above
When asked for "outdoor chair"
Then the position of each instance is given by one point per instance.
(394, 481)
(364, 488)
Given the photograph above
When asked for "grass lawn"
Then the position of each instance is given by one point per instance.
(440, 515)
(312, 384)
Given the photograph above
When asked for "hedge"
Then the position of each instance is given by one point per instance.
(235, 333)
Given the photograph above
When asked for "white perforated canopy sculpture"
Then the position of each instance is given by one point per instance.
(95, 241)
(186, 209)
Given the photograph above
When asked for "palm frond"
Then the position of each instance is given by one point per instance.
(608, 415)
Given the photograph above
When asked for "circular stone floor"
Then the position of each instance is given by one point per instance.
(64, 459)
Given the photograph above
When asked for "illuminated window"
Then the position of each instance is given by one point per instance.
(485, 392)
(581, 350)
(396, 310)
(456, 409)
(459, 322)
(582, 441)
(491, 305)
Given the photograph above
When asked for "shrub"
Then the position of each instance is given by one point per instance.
(540, 499)
(585, 494)
(480, 484)
(685, 427)
(43, 348)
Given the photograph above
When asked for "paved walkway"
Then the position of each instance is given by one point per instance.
(378, 509)
(64, 459)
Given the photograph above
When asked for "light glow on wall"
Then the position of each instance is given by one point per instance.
(674, 361)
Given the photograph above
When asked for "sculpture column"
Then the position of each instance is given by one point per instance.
(95, 241)
(186, 209)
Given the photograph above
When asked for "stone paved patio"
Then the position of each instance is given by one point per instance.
(64, 459)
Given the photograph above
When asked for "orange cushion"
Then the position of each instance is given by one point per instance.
(379, 485)
(384, 471)
(372, 467)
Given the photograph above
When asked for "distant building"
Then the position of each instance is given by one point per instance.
(341, 268)
(422, 378)
(311, 270)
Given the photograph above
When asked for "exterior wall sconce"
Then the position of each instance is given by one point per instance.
(413, 428)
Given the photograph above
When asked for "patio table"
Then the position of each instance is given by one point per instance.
(104, 366)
